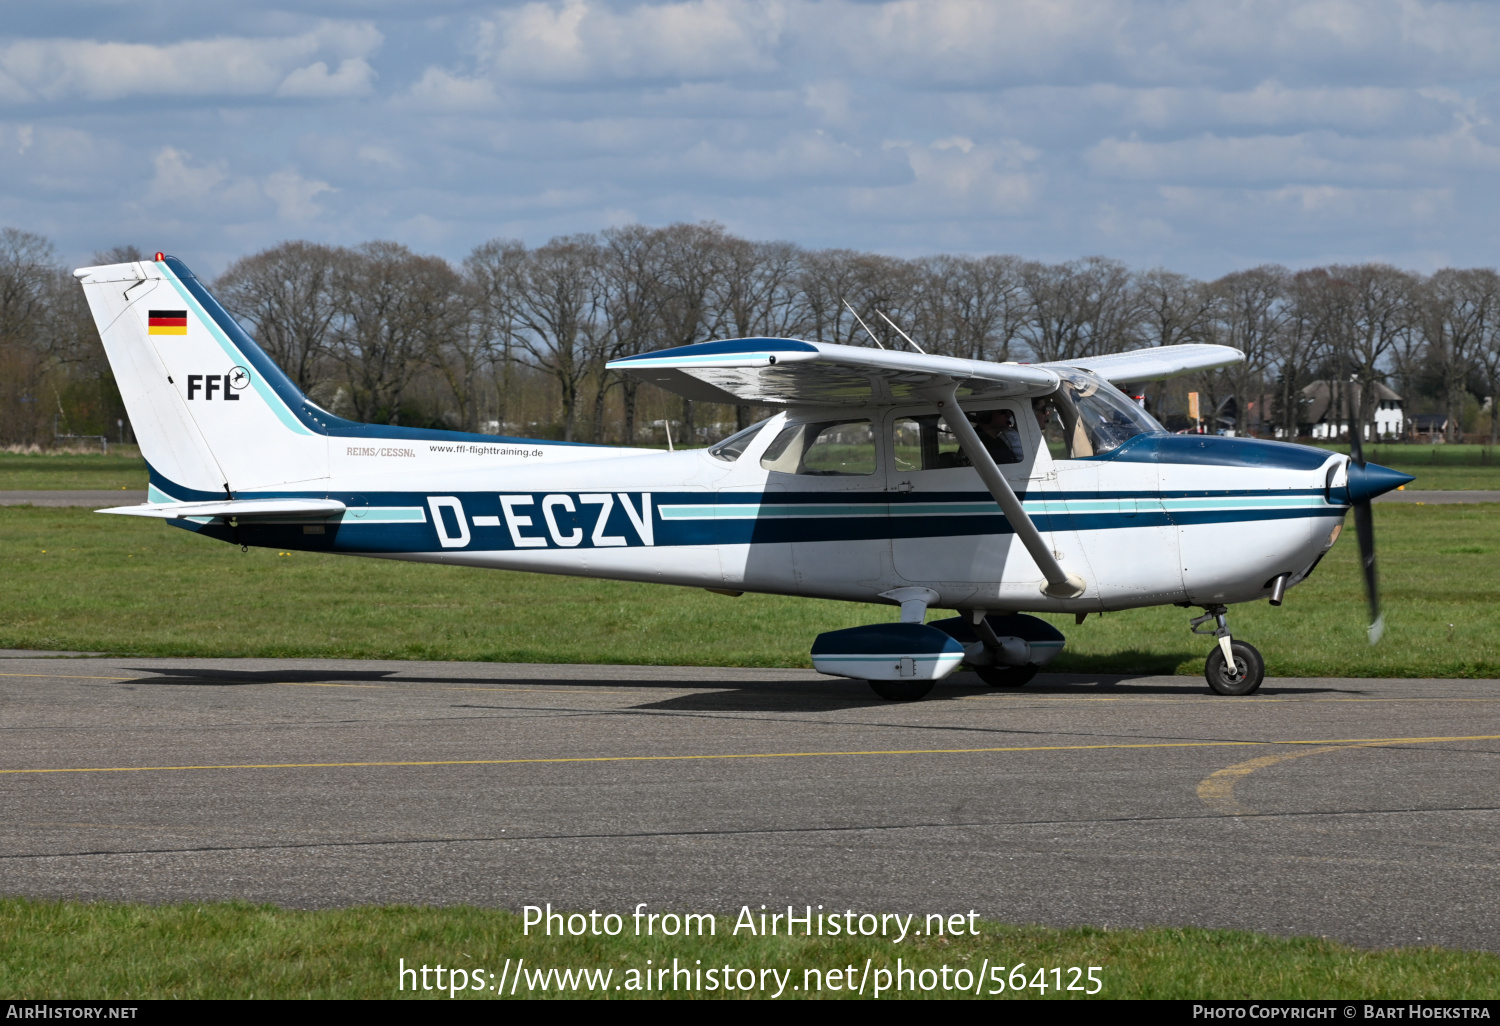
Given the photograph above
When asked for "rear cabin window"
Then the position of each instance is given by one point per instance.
(733, 447)
(837, 448)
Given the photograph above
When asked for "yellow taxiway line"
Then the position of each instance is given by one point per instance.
(1341, 742)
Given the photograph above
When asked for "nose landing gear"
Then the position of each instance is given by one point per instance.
(1233, 667)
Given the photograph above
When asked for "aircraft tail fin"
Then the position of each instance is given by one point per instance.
(213, 414)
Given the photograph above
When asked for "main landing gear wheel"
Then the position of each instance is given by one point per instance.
(1007, 676)
(1244, 679)
(902, 690)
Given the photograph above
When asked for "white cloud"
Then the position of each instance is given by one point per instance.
(182, 187)
(1302, 158)
(354, 77)
(59, 69)
(176, 181)
(294, 195)
(1161, 41)
(1193, 133)
(585, 40)
(379, 155)
(441, 89)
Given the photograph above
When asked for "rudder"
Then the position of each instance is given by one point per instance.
(211, 411)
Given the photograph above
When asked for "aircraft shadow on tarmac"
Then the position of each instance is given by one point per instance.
(802, 696)
(796, 695)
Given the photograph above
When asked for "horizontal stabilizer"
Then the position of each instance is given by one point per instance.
(240, 509)
(791, 372)
(1156, 363)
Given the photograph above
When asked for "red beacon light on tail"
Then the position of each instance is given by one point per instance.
(160, 257)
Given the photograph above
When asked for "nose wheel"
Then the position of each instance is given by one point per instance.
(1233, 667)
(1243, 677)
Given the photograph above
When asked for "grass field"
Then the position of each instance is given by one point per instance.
(52, 472)
(1438, 467)
(74, 950)
(79, 581)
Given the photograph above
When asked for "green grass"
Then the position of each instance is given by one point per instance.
(1414, 454)
(59, 472)
(1438, 467)
(1448, 479)
(79, 581)
(105, 951)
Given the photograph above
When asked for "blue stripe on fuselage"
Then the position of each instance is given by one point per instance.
(399, 522)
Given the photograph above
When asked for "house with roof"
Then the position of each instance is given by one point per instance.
(1326, 407)
(1317, 416)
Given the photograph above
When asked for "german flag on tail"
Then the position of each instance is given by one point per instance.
(167, 322)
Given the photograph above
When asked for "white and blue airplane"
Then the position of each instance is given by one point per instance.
(893, 478)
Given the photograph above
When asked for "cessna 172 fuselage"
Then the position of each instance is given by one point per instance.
(896, 478)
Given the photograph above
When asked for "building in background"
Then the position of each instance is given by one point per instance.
(1317, 418)
(1320, 419)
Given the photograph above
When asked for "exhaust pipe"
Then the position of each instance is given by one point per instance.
(1278, 588)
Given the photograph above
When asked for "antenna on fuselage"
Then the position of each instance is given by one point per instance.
(902, 333)
(862, 324)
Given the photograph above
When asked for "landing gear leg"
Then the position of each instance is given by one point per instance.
(1233, 667)
(998, 675)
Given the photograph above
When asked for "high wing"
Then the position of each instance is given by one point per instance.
(790, 372)
(1155, 363)
(239, 509)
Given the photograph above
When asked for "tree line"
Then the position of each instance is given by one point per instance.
(515, 339)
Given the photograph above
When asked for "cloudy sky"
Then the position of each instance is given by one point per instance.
(1200, 136)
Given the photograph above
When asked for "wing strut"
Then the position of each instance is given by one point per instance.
(1060, 583)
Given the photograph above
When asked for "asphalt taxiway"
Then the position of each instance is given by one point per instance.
(1364, 810)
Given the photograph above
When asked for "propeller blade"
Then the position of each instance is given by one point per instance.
(1365, 482)
(1364, 517)
(1356, 443)
(1364, 530)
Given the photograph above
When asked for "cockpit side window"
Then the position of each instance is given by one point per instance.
(926, 443)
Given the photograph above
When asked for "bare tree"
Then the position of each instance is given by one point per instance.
(1297, 346)
(633, 284)
(827, 280)
(1380, 305)
(690, 257)
(286, 296)
(980, 303)
(1247, 311)
(1487, 352)
(755, 294)
(394, 308)
(560, 314)
(27, 268)
(1459, 312)
(493, 272)
(118, 255)
(1174, 309)
(1080, 308)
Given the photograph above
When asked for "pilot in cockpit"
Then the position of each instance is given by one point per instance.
(997, 432)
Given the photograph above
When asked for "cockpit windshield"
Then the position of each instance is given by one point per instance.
(1093, 417)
